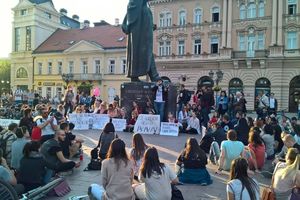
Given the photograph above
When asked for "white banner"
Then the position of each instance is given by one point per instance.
(147, 124)
(85, 121)
(5, 122)
(171, 129)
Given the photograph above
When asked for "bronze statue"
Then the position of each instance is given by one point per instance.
(138, 25)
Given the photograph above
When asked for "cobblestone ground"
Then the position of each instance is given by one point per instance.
(169, 148)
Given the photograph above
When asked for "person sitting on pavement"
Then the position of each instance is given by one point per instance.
(193, 125)
(53, 155)
(9, 136)
(117, 173)
(8, 176)
(137, 152)
(256, 148)
(32, 159)
(131, 122)
(286, 175)
(107, 136)
(242, 128)
(241, 186)
(269, 141)
(27, 120)
(230, 150)
(18, 145)
(155, 177)
(192, 164)
(226, 123)
(71, 144)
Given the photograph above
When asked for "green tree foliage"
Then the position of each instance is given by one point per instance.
(5, 67)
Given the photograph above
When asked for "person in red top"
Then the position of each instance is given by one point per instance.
(257, 149)
(136, 108)
(132, 121)
(214, 119)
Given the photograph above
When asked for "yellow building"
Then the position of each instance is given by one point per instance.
(90, 56)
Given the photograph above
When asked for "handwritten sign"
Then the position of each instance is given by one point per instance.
(147, 124)
(5, 122)
(119, 124)
(171, 129)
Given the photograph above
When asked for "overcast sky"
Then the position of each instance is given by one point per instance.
(92, 10)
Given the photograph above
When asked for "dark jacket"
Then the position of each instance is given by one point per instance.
(164, 92)
(242, 130)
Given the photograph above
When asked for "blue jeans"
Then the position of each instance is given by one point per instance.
(214, 152)
(160, 109)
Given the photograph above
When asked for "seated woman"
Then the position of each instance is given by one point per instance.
(256, 148)
(112, 112)
(131, 122)
(241, 186)
(192, 164)
(230, 150)
(286, 175)
(117, 173)
(156, 178)
(107, 136)
(268, 137)
(137, 152)
(193, 125)
(32, 159)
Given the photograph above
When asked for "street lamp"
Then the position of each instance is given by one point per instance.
(67, 77)
(219, 76)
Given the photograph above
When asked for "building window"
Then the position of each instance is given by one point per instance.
(197, 16)
(235, 85)
(251, 45)
(292, 7)
(242, 42)
(161, 49)
(59, 67)
(22, 73)
(84, 66)
(215, 14)
(251, 10)
(24, 12)
(40, 68)
(261, 9)
(168, 19)
(111, 67)
(291, 40)
(181, 47)
(182, 18)
(48, 15)
(168, 48)
(242, 11)
(71, 67)
(28, 38)
(161, 20)
(17, 39)
(197, 46)
(49, 67)
(261, 40)
(214, 45)
(97, 66)
(165, 48)
(123, 66)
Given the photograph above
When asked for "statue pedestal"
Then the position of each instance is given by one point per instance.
(140, 92)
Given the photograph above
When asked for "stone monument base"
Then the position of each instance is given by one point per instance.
(141, 92)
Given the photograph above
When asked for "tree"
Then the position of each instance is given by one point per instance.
(5, 67)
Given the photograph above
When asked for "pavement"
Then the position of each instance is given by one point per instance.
(169, 149)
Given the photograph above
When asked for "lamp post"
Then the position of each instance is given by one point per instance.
(67, 78)
(4, 85)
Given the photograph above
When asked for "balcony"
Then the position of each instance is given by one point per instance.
(250, 54)
(291, 52)
(239, 54)
(82, 77)
(261, 53)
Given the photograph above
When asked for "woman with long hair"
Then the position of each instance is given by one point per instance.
(117, 173)
(192, 164)
(156, 178)
(240, 185)
(222, 103)
(286, 175)
(27, 120)
(107, 136)
(256, 147)
(137, 152)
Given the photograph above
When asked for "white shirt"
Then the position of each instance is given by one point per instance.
(159, 95)
(236, 188)
(47, 130)
(263, 101)
(272, 103)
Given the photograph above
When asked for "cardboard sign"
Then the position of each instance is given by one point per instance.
(81, 123)
(99, 121)
(171, 129)
(5, 122)
(147, 124)
(119, 124)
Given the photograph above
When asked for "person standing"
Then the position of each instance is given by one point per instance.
(183, 98)
(263, 105)
(160, 93)
(68, 100)
(273, 105)
(222, 103)
(138, 25)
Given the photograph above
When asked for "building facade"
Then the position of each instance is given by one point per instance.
(255, 43)
(86, 59)
(34, 21)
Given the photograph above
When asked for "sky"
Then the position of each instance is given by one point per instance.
(92, 10)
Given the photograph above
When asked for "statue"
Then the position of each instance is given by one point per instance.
(138, 25)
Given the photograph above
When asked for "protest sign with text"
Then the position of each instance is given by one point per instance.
(171, 129)
(147, 124)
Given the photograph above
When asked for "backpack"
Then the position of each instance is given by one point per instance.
(95, 163)
(36, 132)
(3, 144)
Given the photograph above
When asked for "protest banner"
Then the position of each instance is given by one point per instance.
(5, 122)
(119, 124)
(170, 129)
(81, 123)
(147, 124)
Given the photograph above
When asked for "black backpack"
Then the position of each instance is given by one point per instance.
(3, 144)
(95, 163)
